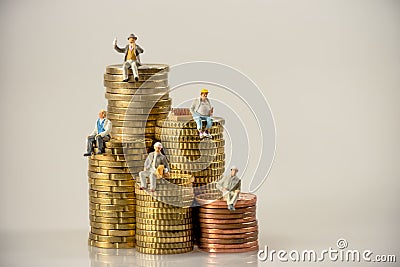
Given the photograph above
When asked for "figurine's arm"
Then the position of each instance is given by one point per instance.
(193, 106)
(166, 165)
(139, 49)
(117, 48)
(147, 163)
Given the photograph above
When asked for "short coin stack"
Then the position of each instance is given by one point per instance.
(222, 230)
(134, 107)
(164, 219)
(187, 153)
(112, 199)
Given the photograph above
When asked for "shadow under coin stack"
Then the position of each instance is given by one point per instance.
(112, 199)
(188, 154)
(222, 230)
(134, 107)
(164, 217)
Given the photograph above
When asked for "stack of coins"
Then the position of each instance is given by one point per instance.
(222, 230)
(164, 219)
(187, 153)
(134, 107)
(112, 199)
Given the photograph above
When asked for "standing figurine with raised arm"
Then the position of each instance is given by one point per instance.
(201, 109)
(100, 134)
(132, 53)
(152, 169)
(230, 188)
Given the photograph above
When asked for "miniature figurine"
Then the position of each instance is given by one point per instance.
(230, 188)
(100, 134)
(152, 167)
(201, 109)
(132, 57)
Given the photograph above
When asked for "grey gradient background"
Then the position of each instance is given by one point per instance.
(329, 69)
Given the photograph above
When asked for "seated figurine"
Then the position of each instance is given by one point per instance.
(201, 109)
(100, 134)
(230, 188)
(153, 169)
(132, 58)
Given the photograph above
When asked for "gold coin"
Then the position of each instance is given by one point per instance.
(142, 77)
(140, 91)
(217, 121)
(112, 201)
(186, 138)
(113, 226)
(107, 170)
(163, 216)
(111, 207)
(197, 166)
(111, 219)
(136, 85)
(151, 104)
(111, 239)
(162, 210)
(112, 232)
(142, 69)
(195, 152)
(186, 132)
(132, 145)
(164, 234)
(105, 176)
(104, 163)
(158, 251)
(196, 159)
(163, 240)
(114, 214)
(116, 116)
(164, 222)
(131, 130)
(164, 199)
(165, 245)
(115, 245)
(136, 111)
(131, 124)
(205, 144)
(164, 227)
(100, 194)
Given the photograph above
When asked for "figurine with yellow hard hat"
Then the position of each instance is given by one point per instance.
(202, 110)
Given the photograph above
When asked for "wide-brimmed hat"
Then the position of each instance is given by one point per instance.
(132, 36)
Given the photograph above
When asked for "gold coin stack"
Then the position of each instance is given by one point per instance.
(223, 230)
(164, 218)
(112, 199)
(204, 159)
(134, 107)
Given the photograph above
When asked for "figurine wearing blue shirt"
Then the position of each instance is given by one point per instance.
(100, 134)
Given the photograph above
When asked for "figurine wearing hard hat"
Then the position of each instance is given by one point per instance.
(154, 164)
(230, 188)
(201, 109)
(132, 58)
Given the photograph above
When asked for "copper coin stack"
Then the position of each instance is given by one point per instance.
(222, 230)
(112, 200)
(164, 218)
(204, 159)
(134, 107)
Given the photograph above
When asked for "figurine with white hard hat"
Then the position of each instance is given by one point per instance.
(155, 162)
(230, 187)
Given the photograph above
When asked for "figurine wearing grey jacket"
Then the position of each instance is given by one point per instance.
(132, 53)
(230, 188)
(153, 160)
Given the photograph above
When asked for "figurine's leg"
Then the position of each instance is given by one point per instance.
(135, 71)
(209, 122)
(89, 145)
(153, 183)
(125, 68)
(100, 144)
(235, 197)
(143, 175)
(199, 124)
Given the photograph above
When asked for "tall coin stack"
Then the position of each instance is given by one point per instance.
(164, 218)
(112, 199)
(134, 107)
(204, 158)
(222, 230)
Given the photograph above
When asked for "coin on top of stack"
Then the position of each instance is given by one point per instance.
(135, 106)
(112, 198)
(223, 230)
(187, 153)
(164, 219)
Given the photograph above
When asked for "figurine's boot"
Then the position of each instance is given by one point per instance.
(135, 71)
(89, 146)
